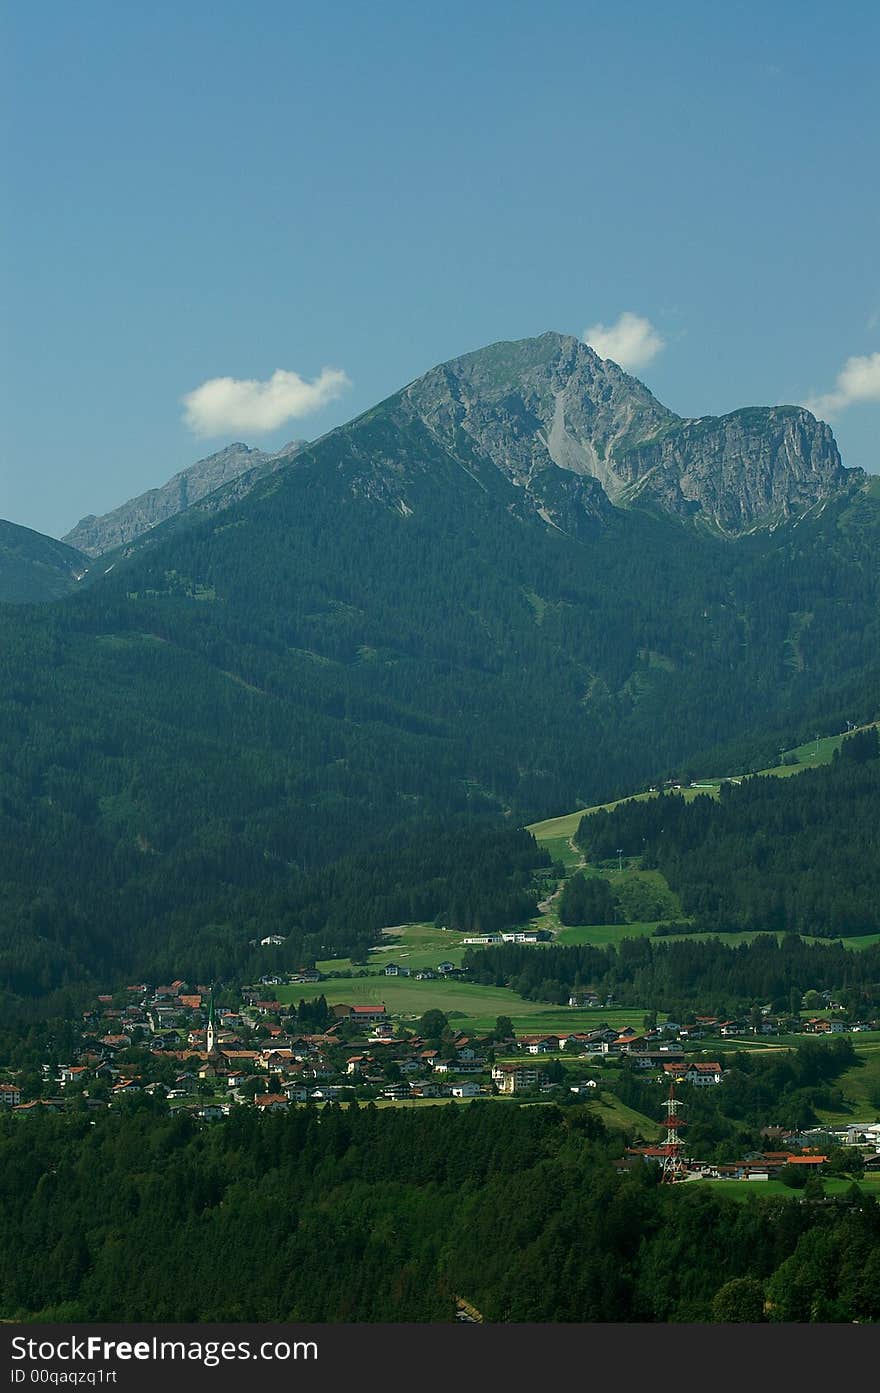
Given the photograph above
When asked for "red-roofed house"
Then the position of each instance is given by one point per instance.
(271, 1102)
(367, 1013)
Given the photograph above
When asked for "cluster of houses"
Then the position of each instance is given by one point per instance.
(759, 1165)
(170, 1040)
(666, 1060)
(806, 1151)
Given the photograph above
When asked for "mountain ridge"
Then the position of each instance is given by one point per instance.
(574, 433)
(95, 535)
(532, 404)
(36, 568)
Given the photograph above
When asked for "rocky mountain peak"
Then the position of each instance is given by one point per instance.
(550, 403)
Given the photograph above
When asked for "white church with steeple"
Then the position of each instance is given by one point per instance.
(211, 1035)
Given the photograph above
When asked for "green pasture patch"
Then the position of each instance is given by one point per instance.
(860, 1086)
(419, 946)
(405, 996)
(599, 935)
(619, 1117)
(472, 1006)
(560, 849)
(416, 946)
(332, 965)
(554, 828)
(857, 941)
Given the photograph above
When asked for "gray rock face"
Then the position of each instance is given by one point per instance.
(96, 535)
(749, 470)
(542, 407)
(543, 401)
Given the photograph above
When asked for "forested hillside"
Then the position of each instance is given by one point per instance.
(361, 1215)
(34, 567)
(373, 640)
(798, 854)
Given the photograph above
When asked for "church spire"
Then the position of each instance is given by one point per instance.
(212, 1030)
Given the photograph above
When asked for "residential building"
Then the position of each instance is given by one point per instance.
(517, 1078)
(703, 1075)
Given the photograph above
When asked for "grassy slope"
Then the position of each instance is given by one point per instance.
(415, 946)
(618, 1117)
(555, 834)
(858, 1085)
(809, 756)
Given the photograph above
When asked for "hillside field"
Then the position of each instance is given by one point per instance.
(472, 1006)
(555, 835)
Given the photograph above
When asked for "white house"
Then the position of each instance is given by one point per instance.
(703, 1075)
(516, 1078)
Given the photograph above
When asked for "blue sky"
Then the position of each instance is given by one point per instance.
(225, 190)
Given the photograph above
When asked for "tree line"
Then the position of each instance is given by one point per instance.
(686, 976)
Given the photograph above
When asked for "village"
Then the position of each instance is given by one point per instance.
(175, 1042)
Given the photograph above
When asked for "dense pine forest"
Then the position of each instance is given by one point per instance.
(180, 913)
(799, 854)
(359, 1215)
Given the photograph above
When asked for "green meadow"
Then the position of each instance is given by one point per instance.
(472, 1006)
(415, 946)
(601, 934)
(743, 1189)
(618, 1117)
(860, 1085)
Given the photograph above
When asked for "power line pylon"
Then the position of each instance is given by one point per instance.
(673, 1161)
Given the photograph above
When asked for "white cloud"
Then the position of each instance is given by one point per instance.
(857, 381)
(246, 405)
(632, 341)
